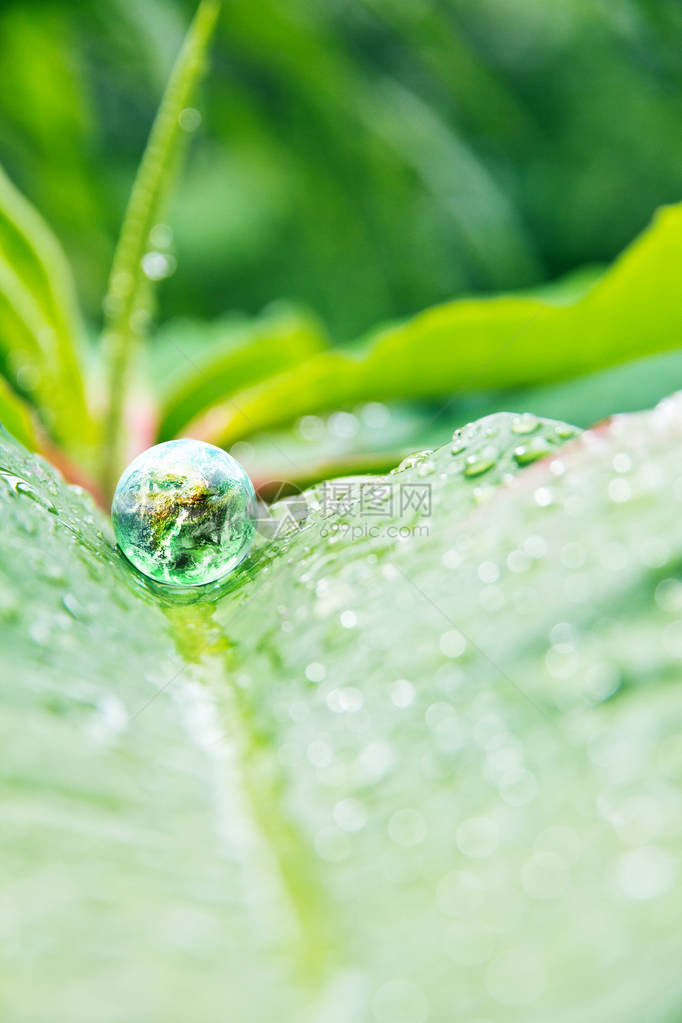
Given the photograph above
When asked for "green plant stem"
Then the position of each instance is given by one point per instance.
(129, 291)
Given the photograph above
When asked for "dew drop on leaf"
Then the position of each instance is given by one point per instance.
(527, 453)
(525, 423)
(477, 464)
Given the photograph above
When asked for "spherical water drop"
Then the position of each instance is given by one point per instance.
(183, 513)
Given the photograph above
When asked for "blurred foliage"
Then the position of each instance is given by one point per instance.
(16, 417)
(40, 327)
(230, 355)
(486, 343)
(367, 158)
(351, 168)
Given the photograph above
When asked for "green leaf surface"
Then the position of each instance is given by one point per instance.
(411, 765)
(485, 343)
(40, 325)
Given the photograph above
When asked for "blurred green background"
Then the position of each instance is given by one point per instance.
(366, 158)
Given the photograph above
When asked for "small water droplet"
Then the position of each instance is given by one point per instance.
(482, 461)
(488, 572)
(411, 460)
(527, 453)
(158, 265)
(189, 119)
(311, 428)
(452, 643)
(315, 672)
(619, 490)
(452, 559)
(72, 606)
(343, 424)
(347, 700)
(543, 497)
(375, 414)
(402, 693)
(525, 423)
(23, 488)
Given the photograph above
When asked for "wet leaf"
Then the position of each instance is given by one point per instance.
(419, 762)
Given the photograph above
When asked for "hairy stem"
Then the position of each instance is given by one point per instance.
(129, 291)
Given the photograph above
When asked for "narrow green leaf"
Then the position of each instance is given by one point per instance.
(232, 357)
(485, 343)
(127, 301)
(16, 417)
(40, 325)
